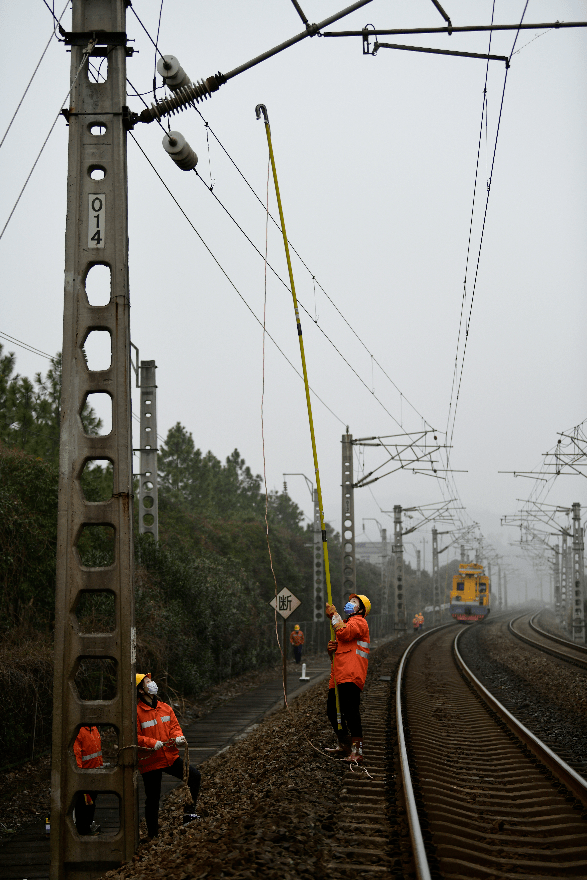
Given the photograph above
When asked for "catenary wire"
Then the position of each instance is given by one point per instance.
(482, 234)
(278, 276)
(32, 77)
(302, 261)
(85, 57)
(253, 245)
(464, 297)
(232, 284)
(25, 345)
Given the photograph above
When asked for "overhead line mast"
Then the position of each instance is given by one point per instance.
(96, 237)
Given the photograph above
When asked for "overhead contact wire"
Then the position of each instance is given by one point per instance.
(262, 109)
(304, 264)
(232, 284)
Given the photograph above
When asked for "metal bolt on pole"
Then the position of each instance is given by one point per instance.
(578, 612)
(149, 494)
(96, 236)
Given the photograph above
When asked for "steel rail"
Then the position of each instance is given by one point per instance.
(418, 848)
(555, 764)
(567, 642)
(547, 649)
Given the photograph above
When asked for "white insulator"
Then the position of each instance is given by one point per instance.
(180, 151)
(172, 72)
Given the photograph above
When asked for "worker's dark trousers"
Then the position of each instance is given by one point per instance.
(84, 813)
(297, 653)
(152, 781)
(349, 696)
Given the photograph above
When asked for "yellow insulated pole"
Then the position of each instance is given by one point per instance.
(262, 109)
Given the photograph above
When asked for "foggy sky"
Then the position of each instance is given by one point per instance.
(376, 159)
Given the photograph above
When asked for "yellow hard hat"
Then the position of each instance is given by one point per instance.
(364, 600)
(140, 675)
(297, 626)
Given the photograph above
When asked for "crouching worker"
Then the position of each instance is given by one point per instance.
(158, 736)
(350, 655)
(87, 749)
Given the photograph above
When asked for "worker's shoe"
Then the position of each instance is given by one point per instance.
(342, 750)
(356, 753)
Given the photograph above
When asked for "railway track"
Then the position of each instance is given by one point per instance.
(485, 797)
(528, 630)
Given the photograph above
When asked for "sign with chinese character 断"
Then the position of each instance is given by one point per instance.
(285, 602)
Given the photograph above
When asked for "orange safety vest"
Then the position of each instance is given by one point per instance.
(352, 653)
(156, 722)
(87, 748)
(297, 638)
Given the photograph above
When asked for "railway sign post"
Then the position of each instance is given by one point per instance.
(285, 603)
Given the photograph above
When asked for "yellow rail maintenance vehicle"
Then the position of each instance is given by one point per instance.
(470, 594)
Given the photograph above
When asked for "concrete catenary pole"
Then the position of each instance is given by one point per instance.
(578, 610)
(349, 571)
(558, 583)
(463, 556)
(318, 550)
(505, 591)
(148, 495)
(436, 612)
(400, 623)
(96, 237)
(564, 579)
(384, 574)
(499, 595)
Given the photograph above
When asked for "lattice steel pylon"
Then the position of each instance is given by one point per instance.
(96, 235)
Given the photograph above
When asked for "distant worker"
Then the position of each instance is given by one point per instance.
(158, 735)
(416, 622)
(420, 619)
(350, 655)
(297, 640)
(87, 749)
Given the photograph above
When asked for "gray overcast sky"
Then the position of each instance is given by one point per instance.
(376, 160)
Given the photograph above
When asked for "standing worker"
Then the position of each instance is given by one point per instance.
(158, 735)
(420, 617)
(87, 749)
(297, 640)
(350, 653)
(416, 622)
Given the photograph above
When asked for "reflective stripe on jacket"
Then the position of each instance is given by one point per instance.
(156, 722)
(87, 748)
(352, 652)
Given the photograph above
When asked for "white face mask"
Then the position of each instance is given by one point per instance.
(151, 688)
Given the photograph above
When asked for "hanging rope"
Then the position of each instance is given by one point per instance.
(261, 109)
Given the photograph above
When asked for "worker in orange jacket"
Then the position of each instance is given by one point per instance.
(158, 736)
(350, 657)
(87, 749)
(296, 638)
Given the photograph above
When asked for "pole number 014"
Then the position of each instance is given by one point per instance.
(96, 220)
